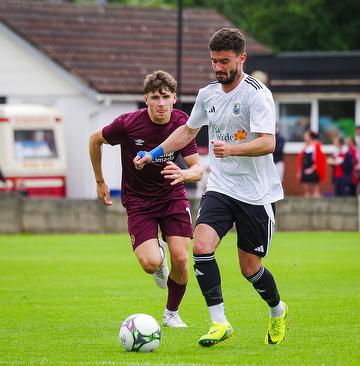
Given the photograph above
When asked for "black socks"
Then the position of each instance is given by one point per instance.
(208, 277)
(265, 285)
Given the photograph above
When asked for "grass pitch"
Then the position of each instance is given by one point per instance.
(63, 298)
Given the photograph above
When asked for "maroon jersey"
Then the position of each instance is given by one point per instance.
(134, 132)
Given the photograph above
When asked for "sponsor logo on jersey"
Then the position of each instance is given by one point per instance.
(139, 142)
(236, 108)
(165, 158)
(240, 135)
(227, 137)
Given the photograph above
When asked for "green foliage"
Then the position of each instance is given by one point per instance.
(287, 25)
(63, 298)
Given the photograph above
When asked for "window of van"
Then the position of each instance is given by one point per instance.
(35, 144)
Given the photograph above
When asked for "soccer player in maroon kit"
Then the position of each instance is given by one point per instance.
(155, 196)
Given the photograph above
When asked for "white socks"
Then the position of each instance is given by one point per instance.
(277, 310)
(217, 313)
(167, 311)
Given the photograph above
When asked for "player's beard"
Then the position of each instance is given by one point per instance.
(232, 76)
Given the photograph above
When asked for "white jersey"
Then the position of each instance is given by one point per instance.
(237, 117)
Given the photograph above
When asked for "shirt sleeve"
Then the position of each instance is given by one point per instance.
(198, 116)
(262, 112)
(114, 132)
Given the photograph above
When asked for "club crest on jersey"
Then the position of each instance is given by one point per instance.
(139, 142)
(236, 108)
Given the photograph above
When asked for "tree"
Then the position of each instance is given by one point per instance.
(290, 25)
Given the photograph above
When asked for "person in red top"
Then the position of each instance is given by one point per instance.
(155, 196)
(311, 165)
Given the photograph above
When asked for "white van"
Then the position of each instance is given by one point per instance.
(32, 150)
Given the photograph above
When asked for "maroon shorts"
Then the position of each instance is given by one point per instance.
(172, 217)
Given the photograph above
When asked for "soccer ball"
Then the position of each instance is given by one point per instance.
(140, 333)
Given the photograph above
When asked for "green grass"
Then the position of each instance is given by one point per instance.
(63, 297)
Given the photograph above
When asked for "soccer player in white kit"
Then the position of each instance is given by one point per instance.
(243, 184)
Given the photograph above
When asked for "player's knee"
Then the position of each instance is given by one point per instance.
(245, 271)
(248, 269)
(201, 247)
(249, 264)
(149, 265)
(180, 261)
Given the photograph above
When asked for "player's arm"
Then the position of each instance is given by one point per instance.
(95, 151)
(193, 173)
(264, 144)
(182, 136)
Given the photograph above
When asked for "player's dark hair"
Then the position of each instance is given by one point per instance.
(312, 134)
(227, 39)
(161, 81)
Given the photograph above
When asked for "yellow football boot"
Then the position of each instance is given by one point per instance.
(218, 332)
(276, 331)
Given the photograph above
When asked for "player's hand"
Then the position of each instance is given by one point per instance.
(221, 149)
(103, 193)
(141, 159)
(173, 172)
(308, 171)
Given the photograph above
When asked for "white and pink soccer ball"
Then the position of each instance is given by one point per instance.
(140, 333)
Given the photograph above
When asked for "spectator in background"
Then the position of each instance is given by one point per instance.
(355, 168)
(357, 139)
(311, 165)
(342, 163)
(278, 153)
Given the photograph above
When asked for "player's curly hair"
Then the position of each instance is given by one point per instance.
(159, 80)
(227, 39)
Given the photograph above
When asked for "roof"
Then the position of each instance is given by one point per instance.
(316, 72)
(111, 48)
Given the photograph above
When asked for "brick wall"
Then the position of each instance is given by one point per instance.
(292, 186)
